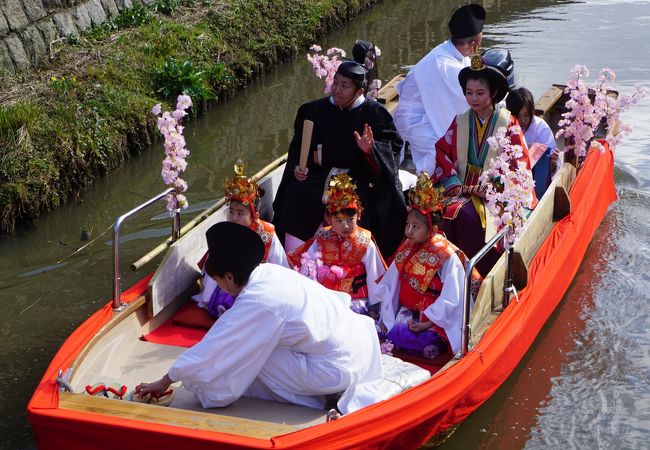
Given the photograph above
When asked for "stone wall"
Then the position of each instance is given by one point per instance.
(29, 27)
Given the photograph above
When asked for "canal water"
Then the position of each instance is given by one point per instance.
(585, 381)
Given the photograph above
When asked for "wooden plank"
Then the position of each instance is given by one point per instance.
(548, 100)
(171, 416)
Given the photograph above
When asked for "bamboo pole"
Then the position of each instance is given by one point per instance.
(162, 247)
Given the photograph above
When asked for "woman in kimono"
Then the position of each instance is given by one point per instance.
(463, 154)
(421, 292)
(350, 133)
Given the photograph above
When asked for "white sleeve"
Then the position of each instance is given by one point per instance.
(277, 255)
(375, 268)
(203, 297)
(544, 134)
(387, 293)
(220, 367)
(447, 310)
(441, 93)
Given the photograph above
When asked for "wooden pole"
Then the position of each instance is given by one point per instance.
(307, 130)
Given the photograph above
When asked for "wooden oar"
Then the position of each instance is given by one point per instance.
(307, 130)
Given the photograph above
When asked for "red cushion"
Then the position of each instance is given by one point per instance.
(172, 333)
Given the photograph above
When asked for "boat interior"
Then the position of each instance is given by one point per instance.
(141, 342)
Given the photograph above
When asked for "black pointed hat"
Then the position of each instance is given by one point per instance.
(467, 21)
(233, 248)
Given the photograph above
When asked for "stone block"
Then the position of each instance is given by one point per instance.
(65, 24)
(81, 18)
(34, 10)
(14, 14)
(6, 63)
(17, 53)
(96, 12)
(111, 8)
(53, 5)
(48, 31)
(34, 45)
(4, 26)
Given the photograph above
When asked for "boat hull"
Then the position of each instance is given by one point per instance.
(405, 421)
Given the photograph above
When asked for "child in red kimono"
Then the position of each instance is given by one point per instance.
(243, 195)
(343, 256)
(421, 292)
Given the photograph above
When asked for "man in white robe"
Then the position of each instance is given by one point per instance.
(430, 95)
(286, 338)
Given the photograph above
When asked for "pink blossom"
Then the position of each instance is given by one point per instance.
(175, 151)
(183, 102)
(325, 65)
(156, 109)
(509, 182)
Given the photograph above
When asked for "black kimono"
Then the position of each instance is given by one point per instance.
(298, 207)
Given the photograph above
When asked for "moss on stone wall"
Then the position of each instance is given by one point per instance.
(84, 114)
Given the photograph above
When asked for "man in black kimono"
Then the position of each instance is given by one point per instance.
(353, 133)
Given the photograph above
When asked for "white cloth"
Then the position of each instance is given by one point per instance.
(277, 255)
(446, 311)
(540, 133)
(286, 338)
(371, 260)
(429, 98)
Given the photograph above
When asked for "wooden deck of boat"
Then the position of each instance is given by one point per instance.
(120, 356)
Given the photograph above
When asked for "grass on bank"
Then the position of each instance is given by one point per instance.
(89, 110)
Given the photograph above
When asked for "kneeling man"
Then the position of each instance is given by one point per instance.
(286, 338)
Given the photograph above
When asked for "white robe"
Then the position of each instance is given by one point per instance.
(429, 98)
(446, 311)
(371, 260)
(277, 255)
(288, 339)
(540, 133)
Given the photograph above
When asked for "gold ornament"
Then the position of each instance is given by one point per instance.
(425, 197)
(240, 188)
(341, 194)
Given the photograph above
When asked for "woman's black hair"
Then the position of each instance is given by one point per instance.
(519, 98)
(435, 216)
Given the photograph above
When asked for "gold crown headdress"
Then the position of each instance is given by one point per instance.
(241, 188)
(476, 59)
(342, 194)
(425, 197)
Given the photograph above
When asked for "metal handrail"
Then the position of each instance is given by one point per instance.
(465, 331)
(117, 289)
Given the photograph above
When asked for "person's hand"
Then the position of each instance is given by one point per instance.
(555, 159)
(157, 387)
(301, 175)
(418, 327)
(366, 141)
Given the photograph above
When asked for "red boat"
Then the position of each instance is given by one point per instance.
(139, 340)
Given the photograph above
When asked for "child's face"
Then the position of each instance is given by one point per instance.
(478, 96)
(416, 230)
(344, 225)
(240, 214)
(524, 118)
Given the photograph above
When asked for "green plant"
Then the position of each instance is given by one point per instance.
(63, 85)
(166, 7)
(175, 77)
(135, 16)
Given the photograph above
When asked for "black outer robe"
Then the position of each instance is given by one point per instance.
(298, 207)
